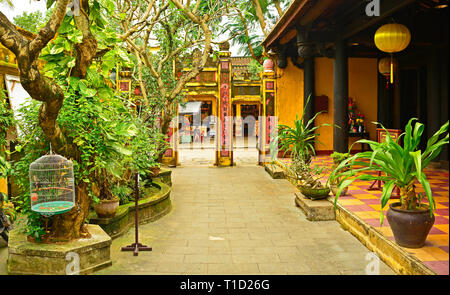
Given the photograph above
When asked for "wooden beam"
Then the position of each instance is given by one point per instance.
(387, 8)
(316, 11)
(286, 21)
(288, 36)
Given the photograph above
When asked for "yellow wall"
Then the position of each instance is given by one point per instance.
(3, 186)
(362, 88)
(323, 80)
(289, 94)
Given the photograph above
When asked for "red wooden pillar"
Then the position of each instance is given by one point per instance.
(224, 142)
(268, 122)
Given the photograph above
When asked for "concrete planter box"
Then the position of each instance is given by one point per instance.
(165, 175)
(315, 210)
(50, 259)
(274, 171)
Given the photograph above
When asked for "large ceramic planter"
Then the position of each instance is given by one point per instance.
(314, 193)
(107, 208)
(410, 228)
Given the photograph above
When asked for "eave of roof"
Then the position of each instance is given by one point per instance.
(292, 12)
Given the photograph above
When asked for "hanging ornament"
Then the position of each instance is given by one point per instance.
(392, 38)
(384, 67)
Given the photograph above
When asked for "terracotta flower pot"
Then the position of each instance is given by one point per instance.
(107, 208)
(410, 228)
(155, 171)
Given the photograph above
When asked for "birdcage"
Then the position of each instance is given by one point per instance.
(52, 186)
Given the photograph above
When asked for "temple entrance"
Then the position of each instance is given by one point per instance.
(245, 132)
(197, 132)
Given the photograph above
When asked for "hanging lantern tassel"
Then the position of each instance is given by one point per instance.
(392, 70)
(392, 38)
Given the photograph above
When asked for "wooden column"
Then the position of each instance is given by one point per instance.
(308, 87)
(340, 92)
(434, 94)
(444, 99)
(224, 134)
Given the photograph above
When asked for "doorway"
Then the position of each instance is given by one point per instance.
(245, 132)
(197, 130)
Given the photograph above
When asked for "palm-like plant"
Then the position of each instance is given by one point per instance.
(300, 139)
(401, 165)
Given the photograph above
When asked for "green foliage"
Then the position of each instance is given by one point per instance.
(6, 120)
(32, 21)
(36, 147)
(8, 3)
(300, 139)
(235, 25)
(306, 174)
(255, 68)
(94, 117)
(339, 157)
(123, 192)
(400, 165)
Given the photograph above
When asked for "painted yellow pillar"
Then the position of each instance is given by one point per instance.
(3, 186)
(238, 120)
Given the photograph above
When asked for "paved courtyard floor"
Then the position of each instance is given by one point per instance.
(238, 220)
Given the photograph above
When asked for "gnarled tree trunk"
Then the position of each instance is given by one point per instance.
(69, 225)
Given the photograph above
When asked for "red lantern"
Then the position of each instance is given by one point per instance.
(137, 91)
(384, 67)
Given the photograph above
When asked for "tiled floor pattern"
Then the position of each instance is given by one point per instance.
(366, 205)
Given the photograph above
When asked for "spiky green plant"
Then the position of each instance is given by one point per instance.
(400, 165)
(300, 139)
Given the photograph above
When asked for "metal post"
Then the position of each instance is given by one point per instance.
(136, 246)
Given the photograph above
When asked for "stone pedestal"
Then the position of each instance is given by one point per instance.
(315, 210)
(59, 259)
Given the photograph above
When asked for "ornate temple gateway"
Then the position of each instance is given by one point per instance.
(223, 102)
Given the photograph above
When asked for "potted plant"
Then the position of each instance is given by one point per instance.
(300, 139)
(106, 203)
(307, 179)
(123, 192)
(155, 169)
(401, 166)
(337, 159)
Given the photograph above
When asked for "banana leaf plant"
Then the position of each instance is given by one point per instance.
(300, 139)
(400, 165)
